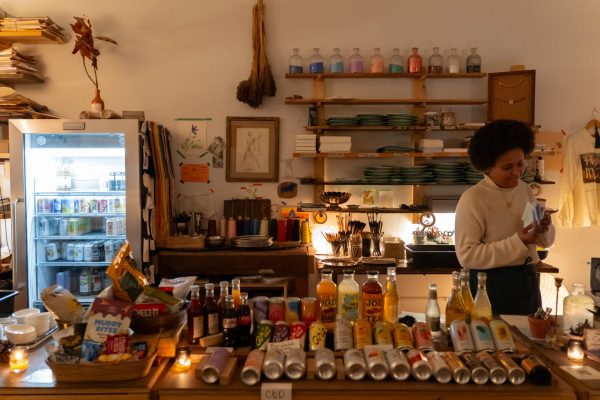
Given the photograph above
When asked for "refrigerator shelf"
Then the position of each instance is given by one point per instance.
(66, 263)
(76, 215)
(92, 236)
(81, 193)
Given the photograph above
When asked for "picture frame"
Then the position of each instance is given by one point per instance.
(512, 96)
(252, 149)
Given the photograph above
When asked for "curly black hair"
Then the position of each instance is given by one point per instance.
(496, 138)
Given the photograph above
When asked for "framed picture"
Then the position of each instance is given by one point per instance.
(252, 149)
(512, 96)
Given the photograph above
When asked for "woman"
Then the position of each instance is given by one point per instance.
(490, 233)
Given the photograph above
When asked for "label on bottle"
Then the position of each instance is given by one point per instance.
(328, 307)
(198, 327)
(229, 323)
(213, 324)
(349, 306)
(244, 320)
(84, 283)
(97, 282)
(373, 307)
(433, 323)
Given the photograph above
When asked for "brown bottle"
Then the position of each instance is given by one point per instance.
(210, 311)
(372, 298)
(195, 317)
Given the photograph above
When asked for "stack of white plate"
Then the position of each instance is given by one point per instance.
(251, 241)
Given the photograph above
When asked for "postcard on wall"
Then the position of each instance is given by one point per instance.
(192, 133)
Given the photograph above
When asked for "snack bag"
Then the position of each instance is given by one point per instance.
(63, 304)
(153, 302)
(179, 286)
(128, 281)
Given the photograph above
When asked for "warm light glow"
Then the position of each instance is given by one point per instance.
(18, 360)
(183, 362)
(575, 350)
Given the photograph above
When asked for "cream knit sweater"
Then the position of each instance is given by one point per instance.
(486, 227)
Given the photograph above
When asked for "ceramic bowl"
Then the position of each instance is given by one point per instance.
(24, 313)
(20, 333)
(41, 322)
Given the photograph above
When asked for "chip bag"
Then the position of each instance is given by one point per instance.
(127, 281)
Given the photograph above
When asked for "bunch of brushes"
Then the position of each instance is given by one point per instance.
(356, 230)
(343, 223)
(335, 241)
(375, 224)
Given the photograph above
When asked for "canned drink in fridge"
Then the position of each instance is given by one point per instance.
(515, 374)
(421, 369)
(78, 252)
(497, 373)
(110, 227)
(292, 309)
(76, 206)
(67, 206)
(215, 364)
(460, 373)
(502, 336)
(281, 332)
(63, 227)
(295, 363)
(461, 336)
(342, 335)
(43, 227)
(309, 310)
(354, 364)
(325, 368)
(252, 367)
(51, 251)
(71, 251)
(376, 365)
(298, 331)
(479, 374)
(87, 251)
(402, 336)
(109, 250)
(264, 334)
(276, 309)
(441, 372)
(422, 336)
(102, 206)
(398, 364)
(93, 204)
(73, 226)
(362, 333)
(482, 337)
(260, 308)
(316, 336)
(273, 365)
(84, 206)
(382, 333)
(56, 206)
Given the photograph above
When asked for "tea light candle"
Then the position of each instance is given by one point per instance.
(183, 361)
(575, 350)
(18, 360)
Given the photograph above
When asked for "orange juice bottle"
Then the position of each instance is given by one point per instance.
(327, 296)
(236, 292)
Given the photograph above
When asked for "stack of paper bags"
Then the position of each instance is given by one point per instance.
(12, 63)
(335, 144)
(431, 145)
(45, 24)
(306, 143)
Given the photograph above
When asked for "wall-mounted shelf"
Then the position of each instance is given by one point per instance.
(416, 102)
(382, 155)
(317, 128)
(12, 79)
(29, 37)
(368, 75)
(379, 210)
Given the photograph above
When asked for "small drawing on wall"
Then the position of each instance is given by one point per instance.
(216, 148)
(193, 132)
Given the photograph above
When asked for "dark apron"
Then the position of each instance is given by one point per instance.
(512, 290)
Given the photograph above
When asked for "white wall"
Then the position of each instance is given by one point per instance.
(185, 58)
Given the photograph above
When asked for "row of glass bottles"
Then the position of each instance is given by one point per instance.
(377, 62)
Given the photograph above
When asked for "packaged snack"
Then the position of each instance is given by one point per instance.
(63, 304)
(128, 281)
(180, 286)
(153, 301)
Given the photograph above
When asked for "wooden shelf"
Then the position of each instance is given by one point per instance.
(12, 79)
(4, 156)
(352, 101)
(364, 183)
(29, 37)
(381, 155)
(368, 75)
(382, 128)
(366, 210)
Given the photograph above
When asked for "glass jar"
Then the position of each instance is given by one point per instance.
(415, 62)
(336, 62)
(436, 62)
(396, 65)
(295, 62)
(356, 62)
(377, 62)
(453, 62)
(474, 61)
(576, 308)
(316, 64)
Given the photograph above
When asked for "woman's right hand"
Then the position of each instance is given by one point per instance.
(528, 234)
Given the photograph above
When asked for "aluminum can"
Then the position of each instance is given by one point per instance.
(479, 374)
(109, 250)
(281, 332)
(84, 206)
(441, 372)
(482, 337)
(67, 206)
(376, 364)
(93, 204)
(110, 205)
(102, 206)
(46, 205)
(461, 336)
(422, 337)
(273, 364)
(213, 367)
(515, 374)
(342, 335)
(460, 373)
(76, 206)
(362, 333)
(63, 227)
(298, 331)
(73, 226)
(295, 363)
(421, 369)
(398, 363)
(276, 309)
(292, 309)
(382, 333)
(260, 306)
(502, 336)
(56, 206)
(537, 372)
(309, 310)
(78, 252)
(325, 368)
(253, 367)
(43, 227)
(51, 251)
(70, 252)
(402, 337)
(264, 334)
(354, 364)
(497, 373)
(316, 336)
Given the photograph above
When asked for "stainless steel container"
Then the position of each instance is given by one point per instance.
(460, 373)
(479, 374)
(325, 364)
(295, 363)
(376, 364)
(482, 337)
(497, 373)
(342, 335)
(253, 367)
(273, 365)
(441, 372)
(461, 336)
(214, 365)
(421, 369)
(398, 364)
(515, 374)
(354, 364)
(502, 336)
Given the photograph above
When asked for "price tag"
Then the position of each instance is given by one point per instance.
(276, 391)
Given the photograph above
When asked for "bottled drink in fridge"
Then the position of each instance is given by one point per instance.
(327, 297)
(576, 307)
(210, 311)
(455, 308)
(465, 291)
(372, 298)
(195, 318)
(85, 282)
(347, 301)
(244, 322)
(230, 323)
(432, 311)
(482, 308)
(390, 299)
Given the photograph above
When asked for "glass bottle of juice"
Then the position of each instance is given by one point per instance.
(230, 323)
(455, 308)
(465, 291)
(244, 322)
(336, 62)
(347, 301)
(210, 311)
(327, 297)
(576, 307)
(223, 291)
(195, 318)
(482, 308)
(432, 311)
(415, 62)
(295, 62)
(236, 292)
(372, 298)
(390, 299)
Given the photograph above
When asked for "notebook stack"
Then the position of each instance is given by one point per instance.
(13, 63)
(306, 143)
(335, 144)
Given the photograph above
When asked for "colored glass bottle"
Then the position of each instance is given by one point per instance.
(236, 291)
(377, 62)
(244, 322)
(453, 62)
(482, 308)
(210, 311)
(396, 65)
(415, 62)
(372, 298)
(436, 62)
(327, 296)
(347, 301)
(455, 308)
(195, 318)
(474, 61)
(295, 63)
(316, 64)
(432, 311)
(465, 291)
(356, 62)
(223, 291)
(390, 298)
(336, 62)
(230, 323)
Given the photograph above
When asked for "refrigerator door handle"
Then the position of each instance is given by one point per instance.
(13, 214)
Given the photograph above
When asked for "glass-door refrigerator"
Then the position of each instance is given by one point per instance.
(75, 197)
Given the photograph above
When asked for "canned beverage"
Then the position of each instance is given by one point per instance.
(497, 373)
(215, 364)
(376, 364)
(84, 206)
(119, 205)
(422, 337)
(98, 251)
(502, 336)
(316, 336)
(76, 206)
(110, 205)
(537, 372)
(402, 336)
(354, 364)
(109, 251)
(281, 332)
(461, 336)
(71, 251)
(45, 205)
(110, 226)
(51, 251)
(482, 338)
(362, 333)
(292, 309)
(66, 206)
(264, 334)
(43, 227)
(72, 226)
(460, 373)
(102, 205)
(295, 363)
(63, 227)
(382, 333)
(398, 363)
(93, 204)
(62, 249)
(515, 374)
(325, 364)
(78, 252)
(273, 365)
(441, 372)
(56, 206)
(276, 309)
(309, 310)
(298, 331)
(342, 335)
(421, 369)
(253, 367)
(479, 374)
(260, 308)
